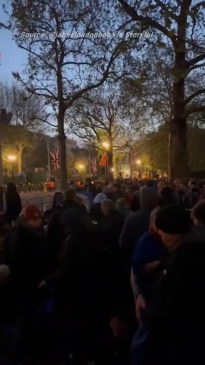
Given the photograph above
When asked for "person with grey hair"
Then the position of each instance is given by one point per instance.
(123, 207)
(136, 224)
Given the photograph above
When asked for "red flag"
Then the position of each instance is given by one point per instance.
(103, 160)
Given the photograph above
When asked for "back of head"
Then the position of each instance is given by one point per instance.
(173, 220)
(167, 194)
(148, 198)
(11, 188)
(31, 213)
(70, 195)
(100, 197)
(108, 206)
(122, 205)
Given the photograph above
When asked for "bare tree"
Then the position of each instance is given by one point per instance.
(179, 26)
(100, 121)
(71, 48)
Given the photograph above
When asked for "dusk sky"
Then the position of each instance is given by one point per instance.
(12, 57)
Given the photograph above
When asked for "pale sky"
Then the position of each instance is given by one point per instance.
(12, 57)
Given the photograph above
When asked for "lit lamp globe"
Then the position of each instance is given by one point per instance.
(12, 158)
(105, 145)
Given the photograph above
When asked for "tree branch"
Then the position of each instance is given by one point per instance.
(196, 59)
(194, 95)
(198, 109)
(145, 19)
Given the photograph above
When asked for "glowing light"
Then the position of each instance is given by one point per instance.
(11, 158)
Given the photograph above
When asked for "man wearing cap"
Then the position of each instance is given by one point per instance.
(175, 313)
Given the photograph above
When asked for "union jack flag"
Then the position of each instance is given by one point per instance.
(55, 160)
(93, 165)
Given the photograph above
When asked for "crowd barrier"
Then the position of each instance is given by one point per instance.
(43, 203)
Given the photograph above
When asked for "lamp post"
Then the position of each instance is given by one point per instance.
(139, 163)
(81, 168)
(106, 148)
(12, 159)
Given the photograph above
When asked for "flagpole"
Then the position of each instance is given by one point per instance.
(49, 164)
(106, 167)
(89, 160)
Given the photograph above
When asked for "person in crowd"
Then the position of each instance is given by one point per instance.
(135, 203)
(4, 273)
(117, 191)
(191, 197)
(161, 185)
(111, 223)
(147, 257)
(198, 214)
(167, 196)
(13, 204)
(137, 223)
(123, 207)
(85, 302)
(174, 315)
(25, 256)
(55, 231)
(99, 198)
(57, 200)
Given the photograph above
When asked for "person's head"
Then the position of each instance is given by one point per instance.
(168, 195)
(107, 206)
(172, 222)
(122, 205)
(161, 185)
(198, 214)
(11, 188)
(70, 195)
(100, 197)
(116, 187)
(32, 216)
(153, 217)
(79, 200)
(148, 198)
(57, 199)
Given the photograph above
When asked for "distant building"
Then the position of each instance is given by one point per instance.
(71, 144)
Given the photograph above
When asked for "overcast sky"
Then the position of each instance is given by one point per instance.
(12, 57)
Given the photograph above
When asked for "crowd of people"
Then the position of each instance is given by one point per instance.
(113, 273)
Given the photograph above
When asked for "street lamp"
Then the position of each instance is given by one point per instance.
(81, 168)
(106, 145)
(138, 162)
(12, 159)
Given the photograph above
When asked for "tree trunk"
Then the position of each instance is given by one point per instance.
(62, 151)
(178, 127)
(169, 147)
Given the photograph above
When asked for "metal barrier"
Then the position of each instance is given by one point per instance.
(42, 203)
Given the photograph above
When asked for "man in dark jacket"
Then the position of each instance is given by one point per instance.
(175, 314)
(13, 203)
(25, 256)
(137, 223)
